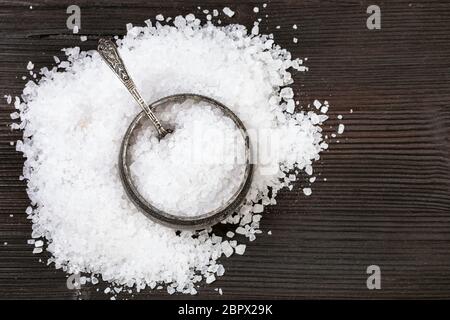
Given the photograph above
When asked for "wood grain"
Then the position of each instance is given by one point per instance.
(386, 200)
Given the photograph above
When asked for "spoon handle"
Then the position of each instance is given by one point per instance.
(108, 51)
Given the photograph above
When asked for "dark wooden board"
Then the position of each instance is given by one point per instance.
(386, 200)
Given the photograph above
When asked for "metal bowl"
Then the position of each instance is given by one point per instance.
(181, 222)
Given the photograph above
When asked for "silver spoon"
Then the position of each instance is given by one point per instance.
(108, 51)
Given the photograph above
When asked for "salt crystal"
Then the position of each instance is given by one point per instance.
(290, 106)
(317, 104)
(341, 128)
(215, 12)
(257, 218)
(230, 234)
(75, 29)
(210, 279)
(39, 243)
(240, 249)
(190, 17)
(228, 11)
(220, 291)
(287, 93)
(37, 250)
(294, 27)
(255, 9)
(255, 29)
(295, 40)
(159, 17)
(227, 249)
(30, 65)
(83, 38)
(220, 270)
(240, 230)
(258, 208)
(307, 191)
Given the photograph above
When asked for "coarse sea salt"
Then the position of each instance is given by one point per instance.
(74, 119)
(227, 11)
(194, 170)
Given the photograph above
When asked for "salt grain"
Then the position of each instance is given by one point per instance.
(317, 104)
(39, 243)
(227, 249)
(307, 191)
(341, 128)
(240, 249)
(228, 12)
(37, 250)
(210, 279)
(258, 208)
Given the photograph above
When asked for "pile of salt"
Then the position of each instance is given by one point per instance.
(73, 125)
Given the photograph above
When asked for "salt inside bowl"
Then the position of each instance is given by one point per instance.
(194, 170)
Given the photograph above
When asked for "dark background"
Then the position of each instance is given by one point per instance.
(386, 200)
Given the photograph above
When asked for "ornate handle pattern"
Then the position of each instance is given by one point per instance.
(108, 51)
